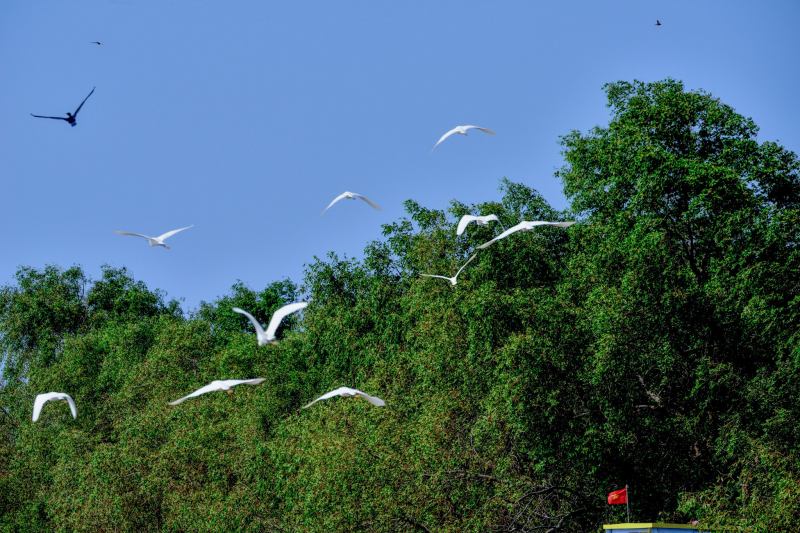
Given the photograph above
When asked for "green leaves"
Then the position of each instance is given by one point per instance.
(654, 343)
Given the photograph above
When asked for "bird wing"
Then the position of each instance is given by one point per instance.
(131, 234)
(202, 390)
(279, 315)
(72, 407)
(374, 400)
(506, 233)
(43, 116)
(340, 197)
(38, 403)
(170, 233)
(75, 114)
(465, 264)
(331, 394)
(259, 329)
(370, 202)
(254, 381)
(484, 130)
(464, 222)
(444, 137)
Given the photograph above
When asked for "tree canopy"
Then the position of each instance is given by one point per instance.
(655, 343)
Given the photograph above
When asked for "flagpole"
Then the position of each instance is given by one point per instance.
(628, 502)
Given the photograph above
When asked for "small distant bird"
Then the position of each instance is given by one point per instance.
(347, 392)
(480, 221)
(454, 279)
(658, 22)
(98, 43)
(350, 196)
(460, 130)
(42, 399)
(226, 385)
(70, 118)
(155, 241)
(524, 226)
(267, 337)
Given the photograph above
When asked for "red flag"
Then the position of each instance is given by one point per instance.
(618, 497)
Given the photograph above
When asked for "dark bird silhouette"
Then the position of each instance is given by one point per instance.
(658, 22)
(98, 43)
(70, 118)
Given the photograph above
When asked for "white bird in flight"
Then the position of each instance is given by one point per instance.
(454, 279)
(524, 226)
(347, 392)
(351, 196)
(155, 241)
(466, 220)
(42, 399)
(460, 130)
(267, 337)
(225, 384)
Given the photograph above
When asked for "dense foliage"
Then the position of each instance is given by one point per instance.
(654, 343)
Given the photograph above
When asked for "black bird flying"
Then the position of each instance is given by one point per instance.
(70, 118)
(658, 22)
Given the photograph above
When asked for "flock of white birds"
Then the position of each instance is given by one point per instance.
(268, 336)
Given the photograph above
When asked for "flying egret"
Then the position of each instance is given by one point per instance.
(225, 384)
(460, 130)
(466, 220)
(454, 279)
(71, 117)
(347, 392)
(524, 226)
(351, 196)
(42, 399)
(267, 337)
(155, 241)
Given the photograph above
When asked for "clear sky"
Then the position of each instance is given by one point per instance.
(245, 118)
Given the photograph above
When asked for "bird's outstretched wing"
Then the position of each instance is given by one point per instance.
(347, 391)
(506, 233)
(484, 130)
(444, 138)
(374, 400)
(40, 400)
(279, 315)
(202, 390)
(72, 407)
(370, 202)
(131, 234)
(473, 256)
(333, 202)
(170, 233)
(54, 118)
(75, 114)
(259, 329)
(524, 225)
(464, 222)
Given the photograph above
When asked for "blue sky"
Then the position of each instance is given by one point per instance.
(246, 118)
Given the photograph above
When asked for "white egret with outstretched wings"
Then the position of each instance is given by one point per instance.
(466, 220)
(42, 399)
(347, 195)
(454, 279)
(225, 384)
(347, 392)
(460, 130)
(268, 336)
(155, 241)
